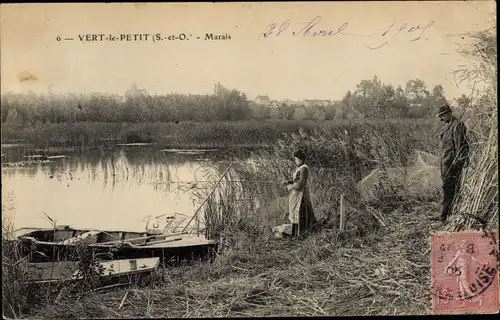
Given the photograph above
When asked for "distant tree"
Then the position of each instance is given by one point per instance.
(422, 103)
(13, 118)
(371, 98)
(299, 113)
(319, 114)
(331, 110)
(416, 92)
(438, 94)
(275, 113)
(400, 103)
(463, 102)
(287, 112)
(4, 107)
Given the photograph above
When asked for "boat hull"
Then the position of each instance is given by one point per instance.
(45, 252)
(67, 244)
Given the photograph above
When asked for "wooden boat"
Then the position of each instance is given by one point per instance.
(64, 243)
(64, 271)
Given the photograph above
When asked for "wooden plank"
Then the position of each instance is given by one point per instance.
(88, 237)
(158, 242)
(185, 242)
(158, 236)
(342, 213)
(26, 230)
(129, 266)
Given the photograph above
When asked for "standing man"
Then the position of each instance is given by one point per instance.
(455, 154)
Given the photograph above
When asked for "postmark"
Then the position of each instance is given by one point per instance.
(464, 272)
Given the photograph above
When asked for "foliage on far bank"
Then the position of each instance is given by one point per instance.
(193, 134)
(370, 98)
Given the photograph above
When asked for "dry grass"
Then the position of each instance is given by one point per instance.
(386, 272)
(8, 213)
(365, 270)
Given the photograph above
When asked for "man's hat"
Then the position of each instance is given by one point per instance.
(445, 108)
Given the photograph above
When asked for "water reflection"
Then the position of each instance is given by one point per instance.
(108, 189)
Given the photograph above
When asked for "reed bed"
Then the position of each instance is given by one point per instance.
(477, 205)
(183, 134)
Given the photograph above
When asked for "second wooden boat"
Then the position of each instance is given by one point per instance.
(48, 272)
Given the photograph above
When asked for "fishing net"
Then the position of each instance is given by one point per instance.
(424, 180)
(421, 178)
(424, 176)
(424, 159)
(380, 182)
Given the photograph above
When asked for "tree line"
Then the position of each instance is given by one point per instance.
(371, 99)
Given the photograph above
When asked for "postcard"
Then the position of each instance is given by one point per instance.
(249, 159)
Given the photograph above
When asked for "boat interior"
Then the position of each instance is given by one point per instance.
(68, 236)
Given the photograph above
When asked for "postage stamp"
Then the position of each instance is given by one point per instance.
(464, 273)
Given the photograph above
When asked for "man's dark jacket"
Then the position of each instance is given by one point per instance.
(454, 147)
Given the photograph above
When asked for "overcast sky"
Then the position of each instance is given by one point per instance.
(285, 66)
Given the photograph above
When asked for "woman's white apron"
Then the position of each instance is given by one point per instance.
(295, 198)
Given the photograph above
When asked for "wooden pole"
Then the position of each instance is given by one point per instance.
(143, 238)
(342, 213)
(206, 199)
(157, 242)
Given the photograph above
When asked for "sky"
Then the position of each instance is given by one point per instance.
(421, 43)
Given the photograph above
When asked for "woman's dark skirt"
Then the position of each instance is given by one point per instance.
(306, 218)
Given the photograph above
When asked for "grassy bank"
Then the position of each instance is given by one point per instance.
(384, 273)
(327, 273)
(185, 134)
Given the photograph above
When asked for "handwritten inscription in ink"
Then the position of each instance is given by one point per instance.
(412, 32)
(309, 29)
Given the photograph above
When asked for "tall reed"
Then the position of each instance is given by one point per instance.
(186, 134)
(477, 204)
(251, 200)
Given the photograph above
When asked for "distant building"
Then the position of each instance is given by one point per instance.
(312, 102)
(274, 104)
(134, 92)
(263, 100)
(288, 102)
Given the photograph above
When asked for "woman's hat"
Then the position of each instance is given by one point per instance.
(445, 108)
(300, 154)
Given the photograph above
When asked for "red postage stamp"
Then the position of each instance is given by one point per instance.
(464, 273)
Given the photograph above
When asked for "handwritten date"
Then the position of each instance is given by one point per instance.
(312, 29)
(308, 29)
(416, 31)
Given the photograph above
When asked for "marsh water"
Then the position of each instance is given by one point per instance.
(117, 189)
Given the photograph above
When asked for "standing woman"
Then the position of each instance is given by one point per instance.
(300, 210)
